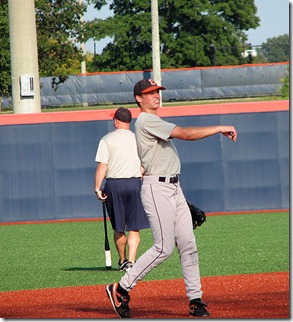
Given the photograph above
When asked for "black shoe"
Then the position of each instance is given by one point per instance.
(118, 301)
(122, 266)
(197, 308)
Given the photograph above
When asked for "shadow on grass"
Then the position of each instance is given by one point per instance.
(73, 269)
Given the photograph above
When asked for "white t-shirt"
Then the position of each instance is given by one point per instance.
(155, 148)
(119, 151)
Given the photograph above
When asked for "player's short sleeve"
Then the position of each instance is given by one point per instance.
(159, 128)
(102, 152)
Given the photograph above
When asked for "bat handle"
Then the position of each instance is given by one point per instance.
(108, 259)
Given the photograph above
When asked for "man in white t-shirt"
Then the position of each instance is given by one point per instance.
(119, 164)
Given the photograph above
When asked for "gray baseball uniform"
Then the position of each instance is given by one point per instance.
(165, 205)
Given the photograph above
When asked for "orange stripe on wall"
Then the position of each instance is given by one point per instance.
(183, 110)
(187, 68)
(227, 108)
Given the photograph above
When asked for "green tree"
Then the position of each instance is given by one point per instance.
(59, 32)
(5, 74)
(187, 28)
(285, 89)
(276, 49)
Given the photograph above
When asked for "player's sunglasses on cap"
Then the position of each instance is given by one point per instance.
(146, 86)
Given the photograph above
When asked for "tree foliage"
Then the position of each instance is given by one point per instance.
(5, 74)
(59, 33)
(187, 28)
(285, 90)
(276, 49)
(60, 30)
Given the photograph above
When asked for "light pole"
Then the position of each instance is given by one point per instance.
(83, 66)
(156, 43)
(213, 53)
(24, 57)
(82, 47)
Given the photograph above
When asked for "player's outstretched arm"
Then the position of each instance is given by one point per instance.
(198, 133)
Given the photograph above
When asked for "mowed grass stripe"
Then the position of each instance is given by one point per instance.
(72, 253)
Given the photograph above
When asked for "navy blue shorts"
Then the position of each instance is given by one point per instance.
(124, 205)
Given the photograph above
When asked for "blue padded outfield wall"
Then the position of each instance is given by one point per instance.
(48, 169)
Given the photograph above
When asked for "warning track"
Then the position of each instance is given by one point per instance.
(259, 296)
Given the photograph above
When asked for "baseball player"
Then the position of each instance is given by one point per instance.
(119, 163)
(163, 200)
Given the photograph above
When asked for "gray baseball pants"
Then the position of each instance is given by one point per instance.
(171, 226)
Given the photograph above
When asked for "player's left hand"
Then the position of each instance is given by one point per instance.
(230, 132)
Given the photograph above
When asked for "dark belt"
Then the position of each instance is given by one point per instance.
(171, 179)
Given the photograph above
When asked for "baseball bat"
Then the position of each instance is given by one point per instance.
(107, 246)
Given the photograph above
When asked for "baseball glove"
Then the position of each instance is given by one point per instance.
(198, 216)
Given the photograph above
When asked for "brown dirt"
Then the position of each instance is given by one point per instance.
(235, 296)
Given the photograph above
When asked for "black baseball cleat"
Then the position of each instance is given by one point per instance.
(118, 301)
(198, 308)
(123, 266)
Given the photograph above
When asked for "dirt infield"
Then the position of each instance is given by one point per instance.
(235, 296)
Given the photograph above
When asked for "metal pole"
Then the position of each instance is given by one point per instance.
(24, 57)
(82, 47)
(156, 43)
(95, 58)
(83, 64)
(83, 67)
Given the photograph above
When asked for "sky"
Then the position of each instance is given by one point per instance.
(274, 21)
(273, 14)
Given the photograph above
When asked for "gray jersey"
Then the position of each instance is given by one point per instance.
(165, 205)
(156, 150)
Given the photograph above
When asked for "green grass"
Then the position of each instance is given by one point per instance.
(72, 253)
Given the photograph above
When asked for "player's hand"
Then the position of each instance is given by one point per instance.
(101, 195)
(230, 132)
